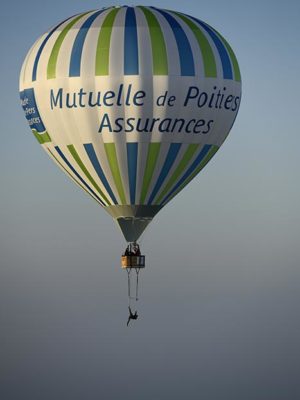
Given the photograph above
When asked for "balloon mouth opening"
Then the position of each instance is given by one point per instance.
(132, 228)
(133, 219)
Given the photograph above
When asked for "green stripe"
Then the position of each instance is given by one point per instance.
(86, 172)
(237, 73)
(42, 137)
(153, 151)
(159, 52)
(103, 44)
(190, 151)
(51, 68)
(111, 154)
(206, 159)
(209, 62)
(73, 179)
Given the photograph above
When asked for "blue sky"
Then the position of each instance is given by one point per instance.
(237, 257)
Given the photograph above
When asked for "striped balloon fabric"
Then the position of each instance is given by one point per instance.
(131, 103)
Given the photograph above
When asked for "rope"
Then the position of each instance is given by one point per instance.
(137, 270)
(137, 284)
(128, 281)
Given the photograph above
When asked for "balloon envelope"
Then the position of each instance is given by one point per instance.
(131, 102)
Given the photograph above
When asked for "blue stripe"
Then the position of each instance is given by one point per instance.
(225, 60)
(132, 152)
(76, 173)
(89, 148)
(131, 55)
(184, 48)
(38, 55)
(171, 156)
(78, 44)
(191, 169)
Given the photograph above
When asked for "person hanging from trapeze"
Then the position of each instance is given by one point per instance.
(131, 315)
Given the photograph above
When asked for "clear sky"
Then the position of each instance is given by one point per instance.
(219, 308)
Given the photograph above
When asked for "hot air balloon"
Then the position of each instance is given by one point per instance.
(131, 103)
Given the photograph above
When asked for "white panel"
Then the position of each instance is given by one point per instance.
(172, 169)
(28, 64)
(171, 45)
(116, 53)
(144, 44)
(141, 165)
(24, 69)
(101, 155)
(64, 55)
(164, 148)
(88, 59)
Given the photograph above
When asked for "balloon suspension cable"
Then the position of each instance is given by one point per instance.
(128, 282)
(137, 271)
